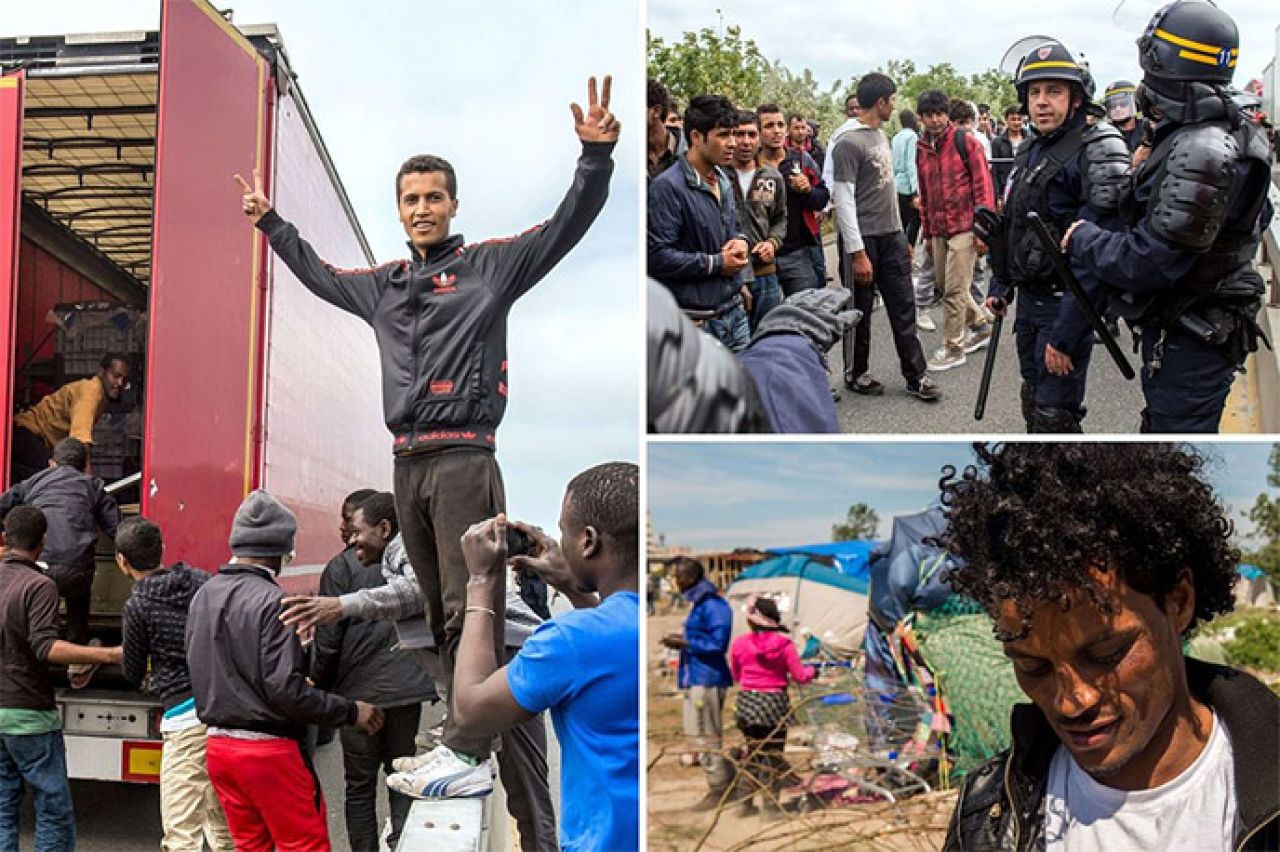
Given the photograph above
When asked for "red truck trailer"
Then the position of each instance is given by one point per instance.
(116, 159)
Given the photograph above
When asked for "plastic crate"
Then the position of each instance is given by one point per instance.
(88, 330)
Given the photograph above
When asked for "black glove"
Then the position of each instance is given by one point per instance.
(815, 314)
(988, 224)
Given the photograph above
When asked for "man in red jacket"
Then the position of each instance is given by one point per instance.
(953, 181)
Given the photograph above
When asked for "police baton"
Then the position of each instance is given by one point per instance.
(988, 367)
(1054, 251)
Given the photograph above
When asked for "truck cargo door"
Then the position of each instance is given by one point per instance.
(11, 87)
(205, 350)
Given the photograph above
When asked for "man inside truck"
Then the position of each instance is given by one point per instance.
(71, 410)
(440, 318)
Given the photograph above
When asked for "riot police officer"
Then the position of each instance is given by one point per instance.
(1120, 103)
(1067, 171)
(1182, 271)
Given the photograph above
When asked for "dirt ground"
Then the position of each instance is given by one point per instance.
(917, 824)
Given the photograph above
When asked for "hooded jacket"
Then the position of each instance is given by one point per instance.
(762, 660)
(358, 658)
(707, 629)
(247, 667)
(1001, 806)
(74, 505)
(950, 191)
(440, 319)
(155, 626)
(399, 600)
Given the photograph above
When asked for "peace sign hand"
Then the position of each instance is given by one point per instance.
(598, 125)
(255, 202)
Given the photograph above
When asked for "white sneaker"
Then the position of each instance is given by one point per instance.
(944, 359)
(978, 337)
(415, 762)
(924, 322)
(448, 777)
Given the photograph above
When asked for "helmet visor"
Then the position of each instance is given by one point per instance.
(1120, 104)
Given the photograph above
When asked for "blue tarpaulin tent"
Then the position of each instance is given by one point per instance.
(851, 558)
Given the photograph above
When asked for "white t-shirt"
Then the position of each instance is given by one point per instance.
(745, 176)
(1194, 812)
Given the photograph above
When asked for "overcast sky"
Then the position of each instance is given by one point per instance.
(709, 496)
(837, 39)
(488, 87)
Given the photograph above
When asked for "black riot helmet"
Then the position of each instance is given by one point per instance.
(1188, 55)
(1119, 101)
(1190, 41)
(1052, 61)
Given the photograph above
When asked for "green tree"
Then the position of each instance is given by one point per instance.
(704, 63)
(1265, 515)
(860, 522)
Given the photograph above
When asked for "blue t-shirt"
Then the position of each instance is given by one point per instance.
(584, 667)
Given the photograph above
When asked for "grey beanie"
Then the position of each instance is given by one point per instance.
(263, 527)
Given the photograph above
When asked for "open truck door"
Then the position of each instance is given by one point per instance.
(208, 282)
(11, 91)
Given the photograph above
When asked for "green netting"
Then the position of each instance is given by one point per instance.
(976, 677)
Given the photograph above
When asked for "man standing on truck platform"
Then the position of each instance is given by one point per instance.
(440, 320)
(75, 505)
(32, 752)
(71, 410)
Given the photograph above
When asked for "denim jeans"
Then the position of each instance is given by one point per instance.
(818, 257)
(795, 273)
(766, 294)
(730, 328)
(38, 761)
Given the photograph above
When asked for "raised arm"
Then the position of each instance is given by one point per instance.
(352, 290)
(517, 264)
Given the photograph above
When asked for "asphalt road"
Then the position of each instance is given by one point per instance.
(1113, 403)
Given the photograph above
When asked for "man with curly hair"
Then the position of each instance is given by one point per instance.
(1095, 562)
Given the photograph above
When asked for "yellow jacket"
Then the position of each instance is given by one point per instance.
(70, 410)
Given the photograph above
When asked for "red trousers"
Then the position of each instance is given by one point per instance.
(271, 798)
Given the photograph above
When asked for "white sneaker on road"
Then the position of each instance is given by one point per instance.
(924, 322)
(944, 358)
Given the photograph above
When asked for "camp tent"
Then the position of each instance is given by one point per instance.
(911, 530)
(811, 596)
(851, 558)
(1254, 587)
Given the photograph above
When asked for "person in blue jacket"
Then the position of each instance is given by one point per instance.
(1183, 270)
(704, 672)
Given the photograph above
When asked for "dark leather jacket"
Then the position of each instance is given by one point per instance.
(1001, 805)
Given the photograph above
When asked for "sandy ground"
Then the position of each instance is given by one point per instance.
(917, 824)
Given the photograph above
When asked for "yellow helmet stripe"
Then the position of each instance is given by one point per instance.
(1165, 35)
(1120, 91)
(1057, 64)
(1202, 58)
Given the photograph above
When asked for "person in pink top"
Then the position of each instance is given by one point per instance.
(763, 662)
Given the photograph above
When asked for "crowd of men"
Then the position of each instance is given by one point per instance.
(414, 608)
(737, 197)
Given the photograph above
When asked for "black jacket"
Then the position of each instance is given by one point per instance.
(1001, 805)
(74, 505)
(155, 627)
(247, 667)
(441, 320)
(354, 656)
